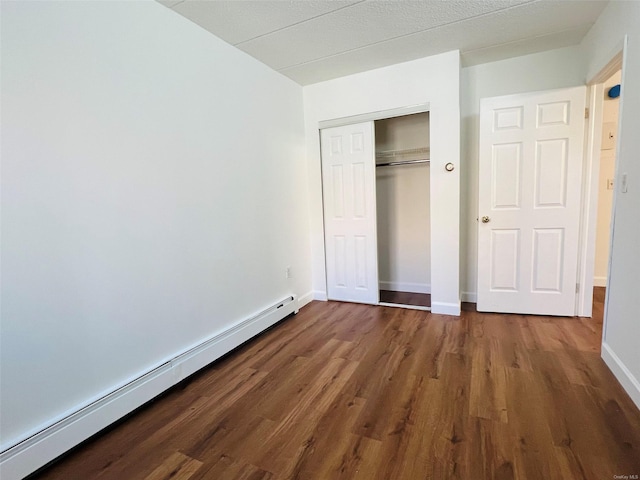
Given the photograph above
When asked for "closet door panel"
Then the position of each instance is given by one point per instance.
(359, 191)
(360, 256)
(337, 192)
(348, 182)
(340, 260)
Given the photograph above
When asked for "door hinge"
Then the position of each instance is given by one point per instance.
(586, 112)
(577, 288)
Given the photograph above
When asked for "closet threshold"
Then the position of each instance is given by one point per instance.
(402, 305)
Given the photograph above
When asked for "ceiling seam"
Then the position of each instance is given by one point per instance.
(299, 23)
(282, 69)
(462, 52)
(526, 39)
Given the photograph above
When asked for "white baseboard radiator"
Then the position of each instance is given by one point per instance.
(52, 441)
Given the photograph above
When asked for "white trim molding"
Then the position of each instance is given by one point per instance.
(589, 204)
(372, 116)
(53, 440)
(404, 286)
(305, 299)
(320, 295)
(470, 297)
(630, 383)
(591, 170)
(446, 308)
(402, 305)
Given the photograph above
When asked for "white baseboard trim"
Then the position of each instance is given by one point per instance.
(445, 308)
(305, 299)
(628, 381)
(471, 297)
(404, 286)
(320, 295)
(402, 305)
(36, 451)
(599, 281)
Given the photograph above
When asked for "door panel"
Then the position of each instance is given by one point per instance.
(548, 253)
(505, 187)
(337, 191)
(551, 173)
(508, 118)
(361, 262)
(359, 191)
(531, 150)
(556, 113)
(340, 261)
(505, 259)
(348, 178)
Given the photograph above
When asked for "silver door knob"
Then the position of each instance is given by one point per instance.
(485, 219)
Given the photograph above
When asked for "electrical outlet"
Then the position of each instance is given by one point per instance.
(288, 272)
(609, 183)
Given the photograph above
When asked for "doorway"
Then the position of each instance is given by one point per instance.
(402, 200)
(606, 183)
(376, 189)
(601, 183)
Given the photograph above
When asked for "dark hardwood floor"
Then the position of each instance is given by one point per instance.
(347, 391)
(405, 298)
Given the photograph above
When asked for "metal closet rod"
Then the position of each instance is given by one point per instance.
(401, 162)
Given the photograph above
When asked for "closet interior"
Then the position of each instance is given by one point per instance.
(403, 211)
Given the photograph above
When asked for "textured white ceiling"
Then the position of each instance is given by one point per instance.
(314, 40)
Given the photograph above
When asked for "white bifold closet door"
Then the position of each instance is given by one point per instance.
(349, 189)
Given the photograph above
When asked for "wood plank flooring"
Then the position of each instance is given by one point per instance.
(346, 391)
(405, 298)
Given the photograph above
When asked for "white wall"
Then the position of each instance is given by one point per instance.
(402, 197)
(621, 327)
(607, 172)
(433, 80)
(603, 225)
(548, 70)
(404, 132)
(154, 190)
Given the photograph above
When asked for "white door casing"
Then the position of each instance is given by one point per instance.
(531, 154)
(349, 191)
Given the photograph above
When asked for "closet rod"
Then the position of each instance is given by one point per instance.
(401, 162)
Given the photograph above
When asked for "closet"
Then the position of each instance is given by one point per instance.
(402, 208)
(375, 179)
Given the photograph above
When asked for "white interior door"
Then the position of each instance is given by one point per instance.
(349, 191)
(531, 151)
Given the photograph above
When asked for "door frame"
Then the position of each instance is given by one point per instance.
(353, 119)
(591, 175)
(373, 116)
